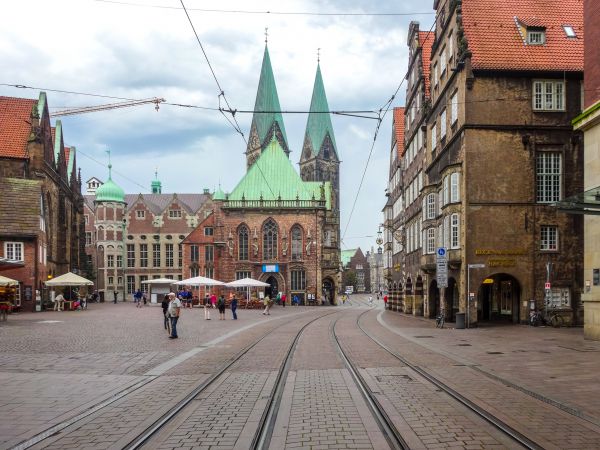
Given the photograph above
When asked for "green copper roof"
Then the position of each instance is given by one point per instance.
(219, 194)
(273, 176)
(267, 100)
(71, 162)
(318, 125)
(347, 255)
(41, 104)
(110, 191)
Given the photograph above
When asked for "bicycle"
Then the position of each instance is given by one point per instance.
(554, 319)
(439, 320)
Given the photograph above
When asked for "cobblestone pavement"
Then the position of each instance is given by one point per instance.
(56, 366)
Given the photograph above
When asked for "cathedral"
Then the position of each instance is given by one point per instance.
(277, 225)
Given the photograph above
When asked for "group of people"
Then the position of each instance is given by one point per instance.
(77, 302)
(140, 297)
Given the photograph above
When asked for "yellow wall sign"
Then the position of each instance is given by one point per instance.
(488, 281)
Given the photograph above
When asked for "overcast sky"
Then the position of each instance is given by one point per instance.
(123, 50)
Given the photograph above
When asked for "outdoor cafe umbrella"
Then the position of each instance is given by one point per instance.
(199, 281)
(69, 279)
(159, 281)
(247, 283)
(5, 281)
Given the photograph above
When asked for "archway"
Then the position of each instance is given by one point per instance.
(328, 289)
(419, 305)
(452, 300)
(499, 299)
(434, 299)
(273, 287)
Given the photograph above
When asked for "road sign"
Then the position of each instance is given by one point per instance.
(476, 266)
(442, 267)
(547, 286)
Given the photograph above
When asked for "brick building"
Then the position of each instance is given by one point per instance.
(355, 261)
(499, 150)
(41, 206)
(276, 225)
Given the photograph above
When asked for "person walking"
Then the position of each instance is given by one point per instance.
(385, 300)
(59, 303)
(115, 297)
(173, 311)
(207, 307)
(234, 305)
(221, 306)
(370, 300)
(165, 310)
(283, 299)
(137, 298)
(267, 303)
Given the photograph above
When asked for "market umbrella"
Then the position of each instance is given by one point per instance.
(159, 281)
(5, 281)
(199, 281)
(247, 283)
(69, 279)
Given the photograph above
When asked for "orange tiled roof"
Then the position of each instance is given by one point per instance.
(399, 130)
(15, 113)
(426, 40)
(67, 151)
(493, 35)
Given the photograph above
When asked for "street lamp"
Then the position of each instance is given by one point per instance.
(469, 267)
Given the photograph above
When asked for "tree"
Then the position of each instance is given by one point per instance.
(350, 279)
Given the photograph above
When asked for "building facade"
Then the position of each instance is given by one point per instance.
(41, 206)
(499, 151)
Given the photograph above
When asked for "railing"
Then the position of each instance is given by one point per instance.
(287, 204)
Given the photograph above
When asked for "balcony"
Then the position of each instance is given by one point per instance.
(274, 204)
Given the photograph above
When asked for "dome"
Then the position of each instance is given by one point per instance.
(110, 192)
(219, 194)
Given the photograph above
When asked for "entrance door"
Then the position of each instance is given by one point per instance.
(328, 290)
(499, 298)
(273, 289)
(434, 300)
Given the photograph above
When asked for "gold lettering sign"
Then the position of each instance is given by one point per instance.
(501, 262)
(488, 281)
(513, 252)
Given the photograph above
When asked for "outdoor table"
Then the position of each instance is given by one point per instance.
(68, 305)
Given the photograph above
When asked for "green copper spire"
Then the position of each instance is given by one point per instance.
(268, 100)
(319, 124)
(110, 191)
(156, 185)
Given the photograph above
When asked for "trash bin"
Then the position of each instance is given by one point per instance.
(460, 321)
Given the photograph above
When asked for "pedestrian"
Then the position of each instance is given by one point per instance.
(174, 310)
(234, 304)
(59, 303)
(279, 298)
(378, 296)
(221, 305)
(267, 303)
(207, 307)
(144, 298)
(95, 297)
(137, 298)
(84, 301)
(115, 297)
(385, 300)
(370, 300)
(283, 299)
(165, 310)
(213, 300)
(295, 300)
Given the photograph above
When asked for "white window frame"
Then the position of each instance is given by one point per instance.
(450, 47)
(433, 136)
(443, 124)
(446, 241)
(536, 37)
(548, 95)
(455, 187)
(140, 214)
(442, 62)
(549, 238)
(175, 214)
(14, 251)
(454, 108)
(430, 249)
(548, 177)
(445, 190)
(454, 231)
(431, 210)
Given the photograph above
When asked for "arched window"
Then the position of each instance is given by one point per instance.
(243, 243)
(296, 243)
(270, 239)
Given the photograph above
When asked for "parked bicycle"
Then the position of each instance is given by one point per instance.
(439, 320)
(553, 318)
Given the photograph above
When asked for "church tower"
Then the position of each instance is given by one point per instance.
(267, 120)
(319, 160)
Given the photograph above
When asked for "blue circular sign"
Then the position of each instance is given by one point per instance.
(441, 251)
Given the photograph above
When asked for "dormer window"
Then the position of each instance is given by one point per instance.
(569, 31)
(536, 36)
(174, 213)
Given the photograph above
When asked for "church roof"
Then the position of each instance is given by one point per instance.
(110, 191)
(267, 100)
(346, 256)
(273, 177)
(319, 124)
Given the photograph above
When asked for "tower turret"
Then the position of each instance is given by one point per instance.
(156, 185)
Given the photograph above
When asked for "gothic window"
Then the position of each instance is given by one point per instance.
(243, 243)
(270, 239)
(296, 243)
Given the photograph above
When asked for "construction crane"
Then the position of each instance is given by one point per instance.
(88, 109)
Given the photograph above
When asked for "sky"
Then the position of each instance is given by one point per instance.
(142, 49)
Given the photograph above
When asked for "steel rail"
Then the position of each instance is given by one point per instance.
(264, 432)
(490, 418)
(386, 425)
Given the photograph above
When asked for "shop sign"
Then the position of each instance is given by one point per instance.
(270, 268)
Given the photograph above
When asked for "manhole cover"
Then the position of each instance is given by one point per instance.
(381, 378)
(495, 353)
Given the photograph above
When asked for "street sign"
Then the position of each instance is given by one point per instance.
(547, 286)
(476, 266)
(442, 267)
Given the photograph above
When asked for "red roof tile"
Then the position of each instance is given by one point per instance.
(496, 43)
(67, 151)
(425, 41)
(399, 130)
(15, 115)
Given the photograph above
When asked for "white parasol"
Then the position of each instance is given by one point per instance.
(69, 279)
(199, 281)
(247, 283)
(5, 281)
(160, 281)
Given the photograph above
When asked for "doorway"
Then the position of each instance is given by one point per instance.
(499, 299)
(328, 289)
(434, 300)
(273, 287)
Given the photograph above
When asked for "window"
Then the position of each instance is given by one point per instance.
(130, 284)
(548, 173)
(455, 187)
(454, 231)
(143, 286)
(446, 190)
(13, 250)
(111, 281)
(434, 75)
(174, 214)
(298, 280)
(88, 238)
(243, 243)
(431, 206)
(433, 136)
(443, 124)
(194, 253)
(446, 240)
(155, 255)
(143, 255)
(536, 37)
(179, 255)
(119, 261)
(569, 31)
(241, 274)
(296, 243)
(130, 255)
(430, 241)
(209, 272)
(442, 61)
(453, 108)
(548, 95)
(85, 217)
(270, 240)
(110, 261)
(549, 238)
(194, 272)
(169, 255)
(209, 231)
(140, 214)
(209, 253)
(450, 47)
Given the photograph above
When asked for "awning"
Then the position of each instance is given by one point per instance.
(587, 202)
(69, 279)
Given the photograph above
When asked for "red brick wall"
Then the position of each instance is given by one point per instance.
(27, 274)
(591, 22)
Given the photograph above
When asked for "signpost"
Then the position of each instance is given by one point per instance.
(442, 267)
(469, 293)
